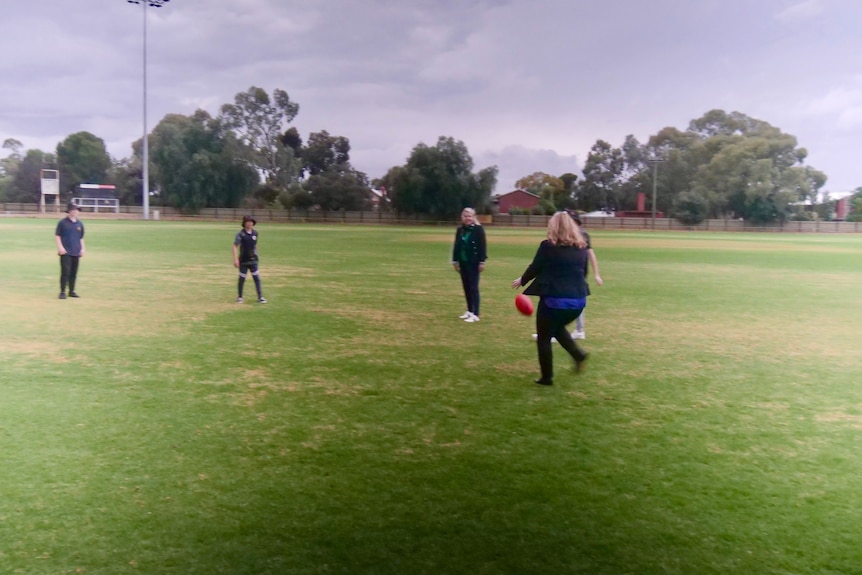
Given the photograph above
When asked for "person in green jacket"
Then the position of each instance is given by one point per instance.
(468, 259)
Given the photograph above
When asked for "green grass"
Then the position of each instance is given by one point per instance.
(354, 425)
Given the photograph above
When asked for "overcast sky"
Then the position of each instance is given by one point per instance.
(527, 85)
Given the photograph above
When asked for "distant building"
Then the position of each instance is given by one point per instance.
(599, 214)
(520, 199)
(842, 208)
(641, 212)
(378, 196)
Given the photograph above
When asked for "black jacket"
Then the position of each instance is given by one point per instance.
(475, 248)
(558, 272)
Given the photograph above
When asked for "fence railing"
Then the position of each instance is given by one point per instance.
(501, 220)
(96, 203)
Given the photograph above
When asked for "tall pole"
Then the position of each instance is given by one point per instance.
(145, 154)
(145, 147)
(654, 185)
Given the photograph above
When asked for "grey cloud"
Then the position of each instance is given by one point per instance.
(800, 11)
(509, 78)
(516, 162)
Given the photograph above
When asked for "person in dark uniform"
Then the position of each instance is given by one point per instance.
(245, 257)
(558, 269)
(578, 332)
(69, 236)
(468, 258)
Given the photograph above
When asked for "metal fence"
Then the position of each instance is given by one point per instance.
(669, 224)
(498, 220)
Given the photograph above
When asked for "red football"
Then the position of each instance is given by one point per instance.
(524, 304)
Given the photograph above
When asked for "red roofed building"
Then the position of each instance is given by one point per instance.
(520, 199)
(842, 208)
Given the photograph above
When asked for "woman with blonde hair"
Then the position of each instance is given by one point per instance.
(557, 273)
(468, 258)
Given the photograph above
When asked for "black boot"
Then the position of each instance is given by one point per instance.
(546, 362)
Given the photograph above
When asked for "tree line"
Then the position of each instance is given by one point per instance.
(245, 156)
(722, 165)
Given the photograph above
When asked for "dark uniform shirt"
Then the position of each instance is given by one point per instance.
(558, 271)
(71, 233)
(247, 243)
(470, 246)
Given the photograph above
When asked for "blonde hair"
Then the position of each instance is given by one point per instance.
(470, 212)
(563, 231)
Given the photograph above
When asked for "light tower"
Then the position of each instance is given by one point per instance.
(145, 155)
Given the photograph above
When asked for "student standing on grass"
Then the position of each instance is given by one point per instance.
(558, 269)
(70, 247)
(245, 257)
(591, 261)
(468, 258)
(579, 332)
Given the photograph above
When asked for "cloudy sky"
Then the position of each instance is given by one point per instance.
(527, 85)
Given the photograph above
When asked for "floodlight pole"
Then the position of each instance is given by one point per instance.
(145, 150)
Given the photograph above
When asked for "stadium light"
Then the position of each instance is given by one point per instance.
(145, 155)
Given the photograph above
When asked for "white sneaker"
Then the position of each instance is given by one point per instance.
(239, 300)
(472, 319)
(465, 315)
(578, 335)
(536, 336)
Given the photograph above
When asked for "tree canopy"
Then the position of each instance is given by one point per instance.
(259, 123)
(197, 163)
(723, 165)
(855, 201)
(555, 193)
(439, 180)
(9, 168)
(332, 183)
(25, 184)
(82, 158)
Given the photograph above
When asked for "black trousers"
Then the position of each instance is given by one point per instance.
(470, 281)
(68, 272)
(552, 323)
